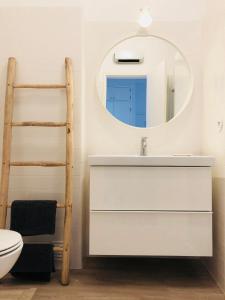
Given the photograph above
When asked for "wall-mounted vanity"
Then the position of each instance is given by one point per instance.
(152, 205)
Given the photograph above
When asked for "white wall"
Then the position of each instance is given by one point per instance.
(40, 39)
(213, 138)
(125, 10)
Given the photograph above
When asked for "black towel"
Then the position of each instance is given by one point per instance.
(33, 217)
(36, 262)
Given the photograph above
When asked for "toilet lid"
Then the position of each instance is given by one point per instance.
(10, 250)
(8, 239)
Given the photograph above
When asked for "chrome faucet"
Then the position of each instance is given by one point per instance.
(144, 146)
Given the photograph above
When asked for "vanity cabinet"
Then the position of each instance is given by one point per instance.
(150, 210)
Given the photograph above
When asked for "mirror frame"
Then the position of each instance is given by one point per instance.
(188, 96)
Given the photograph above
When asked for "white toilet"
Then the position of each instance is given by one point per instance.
(11, 244)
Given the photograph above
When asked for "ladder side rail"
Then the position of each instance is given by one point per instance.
(69, 174)
(7, 138)
(39, 86)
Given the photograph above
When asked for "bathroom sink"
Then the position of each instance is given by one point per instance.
(151, 160)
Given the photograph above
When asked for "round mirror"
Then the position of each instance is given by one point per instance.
(144, 81)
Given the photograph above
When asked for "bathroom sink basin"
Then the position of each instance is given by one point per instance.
(151, 160)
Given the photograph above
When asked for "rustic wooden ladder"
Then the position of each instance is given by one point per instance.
(68, 164)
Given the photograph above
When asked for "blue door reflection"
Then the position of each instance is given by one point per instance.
(126, 99)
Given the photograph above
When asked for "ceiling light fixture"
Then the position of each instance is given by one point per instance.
(145, 19)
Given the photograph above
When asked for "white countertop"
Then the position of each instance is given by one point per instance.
(151, 160)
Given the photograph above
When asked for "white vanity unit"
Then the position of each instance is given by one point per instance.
(150, 205)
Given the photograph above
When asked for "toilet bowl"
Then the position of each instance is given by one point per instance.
(11, 244)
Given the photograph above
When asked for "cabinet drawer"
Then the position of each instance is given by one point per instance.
(150, 188)
(150, 233)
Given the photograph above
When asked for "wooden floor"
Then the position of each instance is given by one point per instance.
(129, 279)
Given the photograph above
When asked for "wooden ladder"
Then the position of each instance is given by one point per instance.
(68, 164)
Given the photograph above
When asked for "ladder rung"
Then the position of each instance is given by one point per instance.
(37, 164)
(39, 86)
(40, 124)
(58, 205)
(58, 249)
